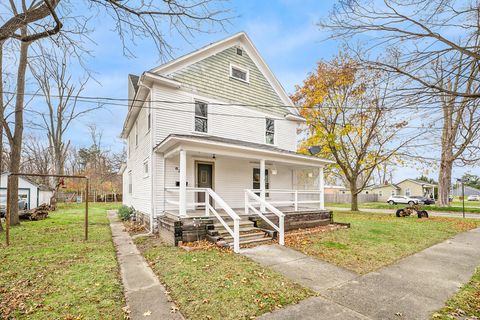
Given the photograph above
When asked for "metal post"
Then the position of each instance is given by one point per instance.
(86, 210)
(7, 217)
(463, 198)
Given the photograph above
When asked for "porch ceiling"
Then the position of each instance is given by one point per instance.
(172, 145)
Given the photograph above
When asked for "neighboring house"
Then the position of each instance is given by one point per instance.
(334, 189)
(407, 187)
(32, 193)
(211, 125)
(468, 191)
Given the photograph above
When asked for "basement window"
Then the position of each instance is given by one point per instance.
(239, 73)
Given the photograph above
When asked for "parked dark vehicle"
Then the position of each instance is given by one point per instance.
(424, 200)
(22, 205)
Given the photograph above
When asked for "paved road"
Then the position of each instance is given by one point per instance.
(412, 288)
(431, 213)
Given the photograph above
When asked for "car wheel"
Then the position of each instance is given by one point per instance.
(422, 214)
(411, 203)
(391, 202)
(399, 213)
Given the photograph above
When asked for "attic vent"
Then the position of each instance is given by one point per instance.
(239, 52)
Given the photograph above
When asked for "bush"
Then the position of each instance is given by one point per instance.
(125, 213)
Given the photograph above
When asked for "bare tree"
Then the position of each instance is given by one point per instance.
(31, 21)
(416, 33)
(61, 93)
(460, 139)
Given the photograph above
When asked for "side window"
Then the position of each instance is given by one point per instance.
(130, 182)
(256, 180)
(408, 192)
(201, 116)
(145, 168)
(149, 117)
(393, 192)
(269, 131)
(380, 193)
(136, 134)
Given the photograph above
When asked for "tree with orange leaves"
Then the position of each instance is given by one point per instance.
(348, 115)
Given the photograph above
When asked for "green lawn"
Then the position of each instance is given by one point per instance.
(380, 205)
(49, 272)
(376, 240)
(218, 284)
(465, 303)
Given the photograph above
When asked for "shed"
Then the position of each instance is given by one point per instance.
(33, 193)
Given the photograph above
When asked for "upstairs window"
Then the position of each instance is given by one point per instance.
(239, 73)
(239, 52)
(149, 118)
(145, 168)
(269, 131)
(201, 116)
(136, 134)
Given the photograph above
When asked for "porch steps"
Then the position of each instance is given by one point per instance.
(249, 234)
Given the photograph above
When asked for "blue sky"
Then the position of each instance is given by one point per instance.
(284, 32)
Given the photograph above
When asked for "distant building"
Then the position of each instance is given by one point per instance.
(407, 187)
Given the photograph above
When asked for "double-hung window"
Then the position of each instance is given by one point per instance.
(201, 116)
(269, 131)
(256, 180)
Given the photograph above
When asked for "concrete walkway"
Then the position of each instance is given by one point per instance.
(412, 288)
(310, 272)
(146, 296)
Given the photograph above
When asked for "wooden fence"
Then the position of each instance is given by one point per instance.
(347, 198)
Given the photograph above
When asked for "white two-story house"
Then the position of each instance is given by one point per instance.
(213, 134)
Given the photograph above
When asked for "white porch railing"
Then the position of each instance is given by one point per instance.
(209, 193)
(295, 198)
(249, 206)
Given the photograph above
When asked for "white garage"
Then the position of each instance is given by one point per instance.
(32, 193)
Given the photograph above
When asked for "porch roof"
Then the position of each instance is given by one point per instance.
(182, 141)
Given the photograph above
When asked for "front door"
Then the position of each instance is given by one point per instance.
(204, 179)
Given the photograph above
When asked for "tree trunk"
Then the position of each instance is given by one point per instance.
(444, 182)
(354, 193)
(16, 143)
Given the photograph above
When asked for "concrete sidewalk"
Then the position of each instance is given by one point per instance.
(312, 273)
(146, 296)
(412, 288)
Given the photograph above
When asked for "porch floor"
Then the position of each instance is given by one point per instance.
(200, 212)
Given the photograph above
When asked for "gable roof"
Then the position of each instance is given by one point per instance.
(240, 38)
(420, 182)
(378, 186)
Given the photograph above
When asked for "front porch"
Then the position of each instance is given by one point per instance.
(231, 181)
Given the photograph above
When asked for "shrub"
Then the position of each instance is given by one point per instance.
(125, 213)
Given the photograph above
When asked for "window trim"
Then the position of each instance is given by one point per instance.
(247, 72)
(267, 131)
(200, 117)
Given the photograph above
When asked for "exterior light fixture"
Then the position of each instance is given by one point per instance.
(314, 150)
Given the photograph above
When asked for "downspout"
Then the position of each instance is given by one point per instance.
(152, 156)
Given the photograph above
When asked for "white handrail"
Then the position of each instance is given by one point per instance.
(295, 197)
(209, 193)
(281, 216)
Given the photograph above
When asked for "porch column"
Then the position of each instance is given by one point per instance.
(321, 186)
(262, 184)
(182, 198)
